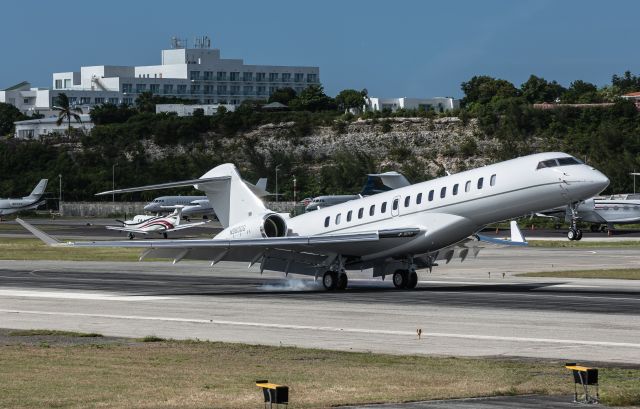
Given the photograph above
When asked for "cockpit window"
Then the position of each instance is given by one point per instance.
(566, 161)
(547, 164)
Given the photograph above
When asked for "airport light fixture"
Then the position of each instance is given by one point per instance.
(277, 166)
(60, 194)
(634, 174)
(294, 190)
(113, 182)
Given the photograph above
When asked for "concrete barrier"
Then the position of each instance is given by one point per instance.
(102, 209)
(120, 209)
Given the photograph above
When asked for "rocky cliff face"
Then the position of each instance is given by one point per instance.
(414, 146)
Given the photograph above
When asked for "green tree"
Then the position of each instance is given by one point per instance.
(581, 92)
(8, 115)
(536, 90)
(313, 99)
(626, 83)
(66, 112)
(283, 95)
(145, 102)
(111, 114)
(350, 98)
(482, 89)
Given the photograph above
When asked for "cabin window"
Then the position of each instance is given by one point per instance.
(407, 201)
(443, 192)
(372, 210)
(480, 181)
(338, 218)
(326, 221)
(455, 189)
(419, 198)
(383, 208)
(395, 204)
(431, 195)
(349, 214)
(360, 213)
(492, 181)
(467, 186)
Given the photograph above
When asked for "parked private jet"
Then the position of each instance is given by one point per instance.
(600, 212)
(143, 224)
(31, 202)
(196, 205)
(376, 183)
(393, 233)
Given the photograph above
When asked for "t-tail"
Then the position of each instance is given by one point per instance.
(232, 200)
(38, 191)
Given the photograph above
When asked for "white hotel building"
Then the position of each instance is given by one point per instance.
(197, 74)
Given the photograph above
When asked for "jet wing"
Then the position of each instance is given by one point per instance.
(186, 226)
(475, 243)
(309, 255)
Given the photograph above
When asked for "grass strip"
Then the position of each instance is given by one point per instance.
(582, 244)
(52, 332)
(189, 374)
(34, 249)
(621, 274)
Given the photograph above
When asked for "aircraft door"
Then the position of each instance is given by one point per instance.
(395, 207)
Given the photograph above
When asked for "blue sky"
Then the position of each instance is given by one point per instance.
(400, 48)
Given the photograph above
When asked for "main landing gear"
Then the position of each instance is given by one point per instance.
(131, 236)
(405, 279)
(333, 280)
(574, 232)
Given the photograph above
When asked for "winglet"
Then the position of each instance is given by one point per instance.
(48, 240)
(516, 239)
(516, 234)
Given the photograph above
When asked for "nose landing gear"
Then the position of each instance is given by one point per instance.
(574, 232)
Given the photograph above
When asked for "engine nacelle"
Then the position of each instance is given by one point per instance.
(263, 226)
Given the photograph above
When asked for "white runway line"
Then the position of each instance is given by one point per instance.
(80, 296)
(331, 329)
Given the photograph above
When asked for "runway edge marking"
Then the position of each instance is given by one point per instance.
(329, 329)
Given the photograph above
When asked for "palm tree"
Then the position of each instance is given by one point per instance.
(66, 112)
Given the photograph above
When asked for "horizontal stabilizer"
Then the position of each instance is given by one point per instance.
(169, 185)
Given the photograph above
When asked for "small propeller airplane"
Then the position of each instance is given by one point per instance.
(143, 224)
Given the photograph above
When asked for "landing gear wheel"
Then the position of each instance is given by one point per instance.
(330, 280)
(343, 280)
(412, 282)
(400, 279)
(131, 236)
(164, 235)
(572, 234)
(578, 234)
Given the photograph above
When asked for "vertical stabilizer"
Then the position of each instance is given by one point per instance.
(38, 191)
(230, 198)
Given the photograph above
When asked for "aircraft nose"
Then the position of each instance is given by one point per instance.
(600, 180)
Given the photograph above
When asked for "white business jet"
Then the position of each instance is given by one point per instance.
(393, 233)
(31, 202)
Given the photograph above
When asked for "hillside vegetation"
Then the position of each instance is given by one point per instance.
(328, 151)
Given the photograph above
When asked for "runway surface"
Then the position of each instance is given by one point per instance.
(461, 309)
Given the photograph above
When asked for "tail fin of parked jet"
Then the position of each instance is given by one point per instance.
(231, 198)
(38, 191)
